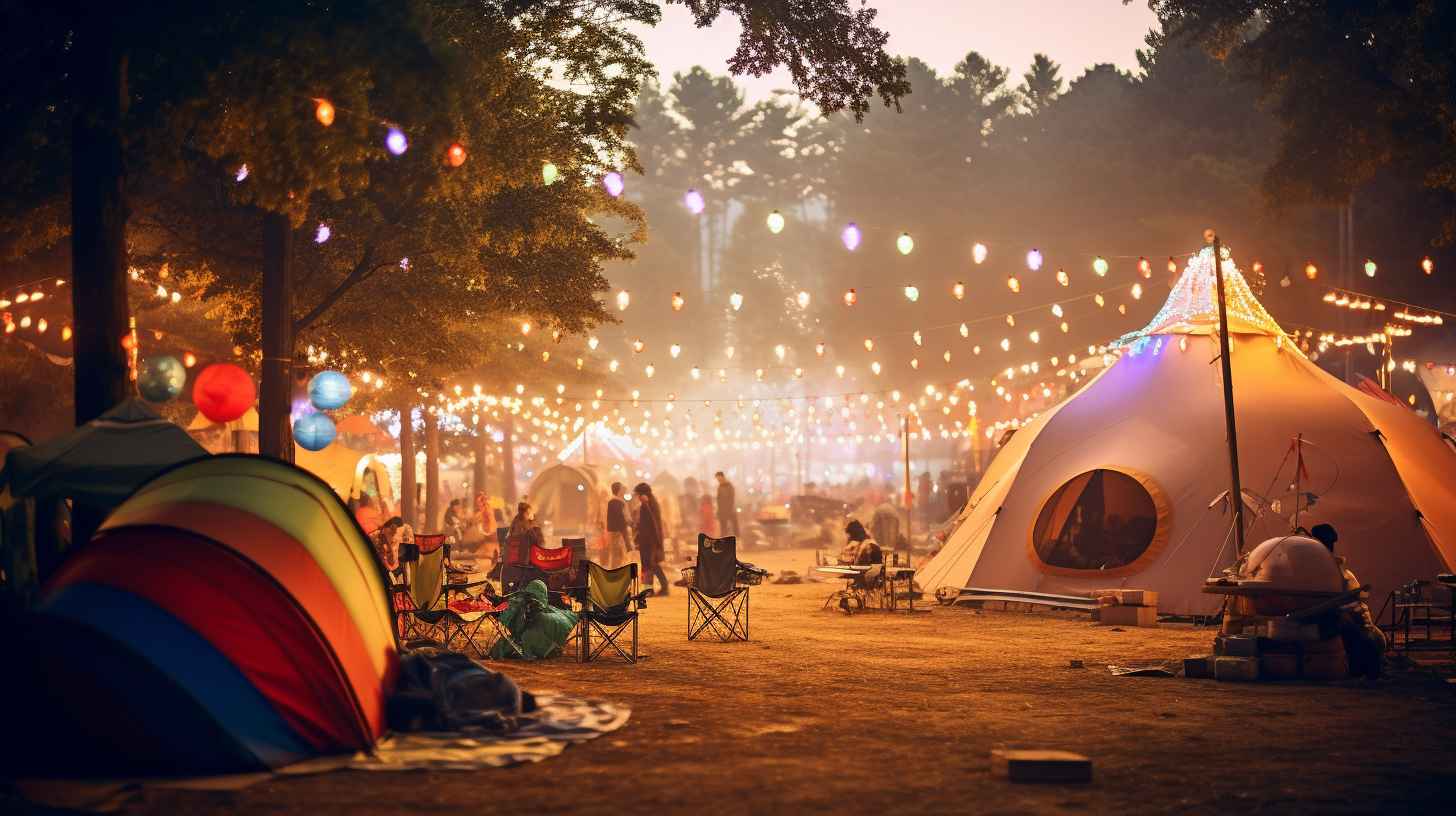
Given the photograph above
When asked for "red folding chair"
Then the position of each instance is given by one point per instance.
(556, 567)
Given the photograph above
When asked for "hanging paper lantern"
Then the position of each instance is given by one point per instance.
(314, 432)
(776, 222)
(223, 392)
(1427, 265)
(323, 111)
(905, 243)
(693, 200)
(979, 252)
(958, 291)
(1369, 268)
(161, 379)
(455, 155)
(1033, 260)
(850, 236)
(329, 390)
(549, 173)
(1099, 265)
(614, 183)
(396, 142)
(850, 298)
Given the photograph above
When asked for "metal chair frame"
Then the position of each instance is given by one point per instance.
(610, 624)
(725, 616)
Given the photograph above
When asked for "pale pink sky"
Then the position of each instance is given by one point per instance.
(1075, 33)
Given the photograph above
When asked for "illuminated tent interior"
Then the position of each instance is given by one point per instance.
(1124, 484)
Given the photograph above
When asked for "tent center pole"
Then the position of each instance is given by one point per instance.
(1236, 494)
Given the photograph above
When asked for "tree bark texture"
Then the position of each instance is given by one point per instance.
(407, 479)
(433, 519)
(98, 222)
(508, 466)
(275, 402)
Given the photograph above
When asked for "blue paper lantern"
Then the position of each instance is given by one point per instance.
(161, 379)
(329, 390)
(314, 431)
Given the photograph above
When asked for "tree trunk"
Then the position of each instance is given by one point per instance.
(275, 404)
(407, 478)
(508, 465)
(482, 452)
(98, 222)
(433, 521)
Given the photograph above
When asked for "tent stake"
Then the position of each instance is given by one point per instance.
(1226, 364)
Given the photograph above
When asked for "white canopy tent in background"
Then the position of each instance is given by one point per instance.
(1123, 484)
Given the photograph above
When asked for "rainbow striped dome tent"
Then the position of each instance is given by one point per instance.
(230, 616)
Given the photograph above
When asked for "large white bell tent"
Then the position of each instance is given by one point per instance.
(1125, 483)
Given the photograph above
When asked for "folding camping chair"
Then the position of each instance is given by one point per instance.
(423, 604)
(610, 602)
(717, 600)
(515, 561)
(864, 588)
(556, 567)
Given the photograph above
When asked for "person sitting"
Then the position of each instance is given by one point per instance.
(523, 527)
(860, 550)
(386, 542)
(1364, 642)
(367, 514)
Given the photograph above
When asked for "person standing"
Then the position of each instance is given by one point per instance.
(650, 537)
(617, 542)
(706, 517)
(727, 506)
(1364, 642)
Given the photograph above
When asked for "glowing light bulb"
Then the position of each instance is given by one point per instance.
(693, 200)
(775, 222)
(978, 252)
(851, 237)
(1033, 260)
(1034, 336)
(1099, 265)
(1065, 328)
(958, 291)
(323, 111)
(1005, 344)
(919, 341)
(1145, 267)
(242, 174)
(638, 346)
(66, 338)
(850, 298)
(613, 366)
(624, 299)
(736, 301)
(525, 327)
(729, 351)
(695, 372)
(1369, 268)
(780, 352)
(869, 344)
(1428, 266)
(1098, 299)
(1137, 291)
(396, 142)
(677, 301)
(1311, 271)
(802, 299)
(915, 363)
(455, 155)
(322, 233)
(1011, 321)
(839, 371)
(905, 243)
(819, 348)
(614, 184)
(875, 367)
(1056, 310)
(592, 342)
(549, 173)
(946, 356)
(1012, 283)
(674, 350)
(649, 370)
(912, 293)
(965, 330)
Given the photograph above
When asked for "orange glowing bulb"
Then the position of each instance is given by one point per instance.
(324, 112)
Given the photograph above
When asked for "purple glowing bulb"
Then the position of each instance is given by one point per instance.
(322, 233)
(850, 236)
(694, 202)
(614, 183)
(396, 142)
(1033, 260)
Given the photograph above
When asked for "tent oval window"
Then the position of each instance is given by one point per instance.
(1105, 521)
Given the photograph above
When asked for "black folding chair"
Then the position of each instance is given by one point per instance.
(610, 603)
(717, 600)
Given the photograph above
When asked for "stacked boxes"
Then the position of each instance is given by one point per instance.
(1126, 607)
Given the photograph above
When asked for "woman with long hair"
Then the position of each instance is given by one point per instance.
(649, 538)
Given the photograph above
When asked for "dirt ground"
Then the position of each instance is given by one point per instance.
(823, 712)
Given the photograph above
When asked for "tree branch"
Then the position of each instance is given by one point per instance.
(360, 273)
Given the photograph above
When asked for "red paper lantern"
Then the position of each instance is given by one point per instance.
(223, 392)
